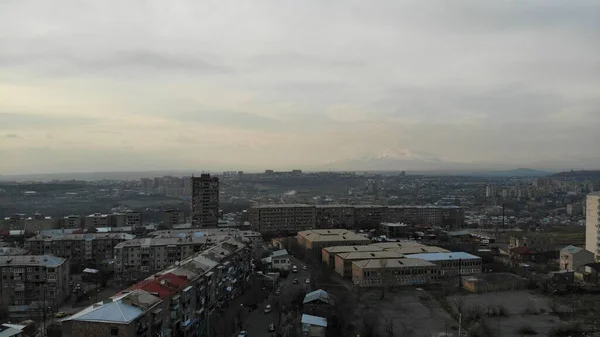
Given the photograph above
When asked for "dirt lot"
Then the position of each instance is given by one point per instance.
(414, 313)
(504, 313)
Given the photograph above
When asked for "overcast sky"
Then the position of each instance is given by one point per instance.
(142, 85)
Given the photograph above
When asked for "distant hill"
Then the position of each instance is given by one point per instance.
(591, 174)
(520, 172)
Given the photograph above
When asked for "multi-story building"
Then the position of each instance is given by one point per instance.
(29, 280)
(393, 272)
(14, 222)
(98, 220)
(592, 223)
(38, 222)
(173, 216)
(452, 264)
(138, 258)
(127, 314)
(77, 248)
(175, 301)
(126, 219)
(282, 218)
(343, 261)
(205, 201)
(317, 239)
(71, 221)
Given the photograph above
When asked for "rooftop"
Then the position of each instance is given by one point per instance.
(353, 206)
(419, 250)
(347, 249)
(320, 295)
(445, 256)
(193, 240)
(370, 255)
(314, 320)
(572, 249)
(392, 263)
(325, 235)
(86, 236)
(281, 252)
(120, 310)
(31, 260)
(399, 244)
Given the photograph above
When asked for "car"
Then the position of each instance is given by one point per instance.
(277, 292)
(307, 281)
(61, 314)
(271, 327)
(294, 269)
(305, 268)
(268, 309)
(243, 334)
(295, 281)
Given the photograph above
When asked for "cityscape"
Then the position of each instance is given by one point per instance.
(389, 168)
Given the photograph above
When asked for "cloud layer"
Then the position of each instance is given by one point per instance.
(113, 85)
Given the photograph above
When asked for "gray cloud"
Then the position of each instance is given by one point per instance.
(12, 135)
(461, 81)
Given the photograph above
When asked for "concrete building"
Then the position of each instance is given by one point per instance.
(126, 219)
(313, 326)
(343, 261)
(137, 258)
(137, 313)
(286, 218)
(452, 264)
(393, 272)
(38, 222)
(173, 216)
(279, 260)
(205, 201)
(540, 243)
(28, 280)
(316, 239)
(71, 221)
(592, 223)
(15, 221)
(79, 249)
(98, 220)
(395, 230)
(328, 253)
(572, 258)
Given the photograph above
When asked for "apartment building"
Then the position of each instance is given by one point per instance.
(77, 248)
(120, 219)
(393, 272)
(38, 222)
(317, 239)
(282, 218)
(137, 313)
(173, 216)
(136, 259)
(71, 221)
(182, 295)
(343, 261)
(592, 223)
(29, 280)
(205, 201)
(452, 264)
(15, 221)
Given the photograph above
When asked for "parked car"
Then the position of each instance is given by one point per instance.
(295, 281)
(294, 269)
(271, 327)
(61, 314)
(243, 334)
(307, 281)
(268, 309)
(305, 268)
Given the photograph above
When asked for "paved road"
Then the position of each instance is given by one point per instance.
(257, 322)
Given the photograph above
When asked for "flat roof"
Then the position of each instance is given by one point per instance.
(31, 260)
(392, 263)
(399, 244)
(327, 235)
(453, 256)
(314, 320)
(347, 249)
(354, 206)
(370, 255)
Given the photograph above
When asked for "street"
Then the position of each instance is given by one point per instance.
(257, 322)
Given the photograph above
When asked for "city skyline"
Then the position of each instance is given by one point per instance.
(342, 85)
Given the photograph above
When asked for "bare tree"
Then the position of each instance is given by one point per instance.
(370, 322)
(390, 330)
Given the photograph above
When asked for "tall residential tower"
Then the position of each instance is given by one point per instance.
(592, 220)
(205, 201)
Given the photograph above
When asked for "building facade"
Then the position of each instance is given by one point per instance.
(540, 243)
(172, 217)
(592, 223)
(343, 262)
(29, 280)
(317, 239)
(452, 264)
(393, 272)
(205, 201)
(282, 218)
(572, 258)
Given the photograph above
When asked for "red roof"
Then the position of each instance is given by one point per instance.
(522, 250)
(164, 285)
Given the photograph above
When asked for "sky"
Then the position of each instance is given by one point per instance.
(109, 85)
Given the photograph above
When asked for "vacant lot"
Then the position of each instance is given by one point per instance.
(508, 314)
(413, 313)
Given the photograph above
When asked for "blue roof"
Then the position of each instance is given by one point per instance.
(572, 249)
(314, 320)
(452, 256)
(114, 312)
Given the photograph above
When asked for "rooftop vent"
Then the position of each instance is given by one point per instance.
(373, 255)
(400, 261)
(355, 248)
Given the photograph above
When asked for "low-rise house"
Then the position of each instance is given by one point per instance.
(572, 258)
(523, 254)
(328, 253)
(318, 303)
(313, 326)
(541, 243)
(279, 260)
(393, 272)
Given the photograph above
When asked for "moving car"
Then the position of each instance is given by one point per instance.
(271, 327)
(307, 281)
(305, 268)
(268, 309)
(295, 281)
(294, 269)
(243, 334)
(61, 314)
(277, 292)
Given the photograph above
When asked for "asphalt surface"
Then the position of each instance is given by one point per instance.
(257, 321)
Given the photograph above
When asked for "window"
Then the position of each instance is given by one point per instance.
(114, 331)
